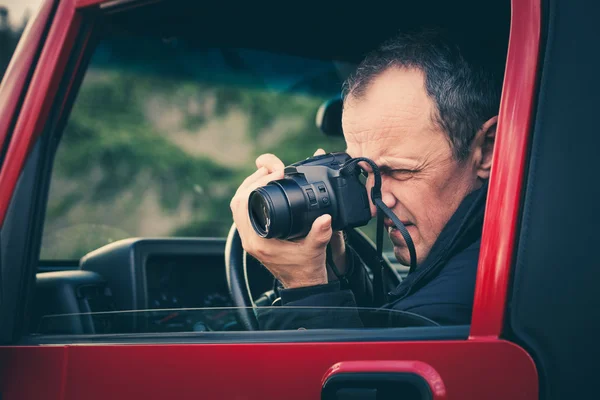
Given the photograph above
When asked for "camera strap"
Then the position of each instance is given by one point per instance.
(379, 276)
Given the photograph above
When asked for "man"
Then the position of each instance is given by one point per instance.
(426, 114)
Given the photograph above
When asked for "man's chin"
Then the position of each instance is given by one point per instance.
(400, 249)
(402, 255)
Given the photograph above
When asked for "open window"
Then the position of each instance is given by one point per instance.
(172, 107)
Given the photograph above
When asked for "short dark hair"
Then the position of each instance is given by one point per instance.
(464, 83)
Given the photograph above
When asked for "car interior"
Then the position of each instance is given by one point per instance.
(199, 280)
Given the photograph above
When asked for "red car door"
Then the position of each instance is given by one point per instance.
(455, 363)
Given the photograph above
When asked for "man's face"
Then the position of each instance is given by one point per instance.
(422, 183)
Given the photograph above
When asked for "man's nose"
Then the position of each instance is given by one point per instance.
(387, 197)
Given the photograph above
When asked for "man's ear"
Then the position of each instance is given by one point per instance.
(484, 147)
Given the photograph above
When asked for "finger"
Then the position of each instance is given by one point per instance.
(270, 162)
(252, 178)
(319, 152)
(320, 233)
(263, 180)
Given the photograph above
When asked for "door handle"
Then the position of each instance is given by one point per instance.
(382, 380)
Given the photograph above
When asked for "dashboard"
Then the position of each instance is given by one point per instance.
(184, 284)
(171, 285)
(186, 281)
(145, 286)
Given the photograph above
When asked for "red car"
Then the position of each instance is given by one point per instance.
(116, 279)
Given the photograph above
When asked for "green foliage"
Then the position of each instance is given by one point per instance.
(116, 151)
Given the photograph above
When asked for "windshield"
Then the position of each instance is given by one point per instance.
(162, 133)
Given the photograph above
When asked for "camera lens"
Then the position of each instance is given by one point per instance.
(269, 211)
(260, 212)
(279, 210)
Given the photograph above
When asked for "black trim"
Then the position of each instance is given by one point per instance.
(459, 332)
(15, 235)
(378, 385)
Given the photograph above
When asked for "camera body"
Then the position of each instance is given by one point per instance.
(344, 197)
(286, 208)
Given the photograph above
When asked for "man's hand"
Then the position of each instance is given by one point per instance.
(294, 263)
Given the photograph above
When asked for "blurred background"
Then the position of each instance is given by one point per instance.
(163, 131)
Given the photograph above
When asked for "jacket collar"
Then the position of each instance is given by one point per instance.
(462, 230)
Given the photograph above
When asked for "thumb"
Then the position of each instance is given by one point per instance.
(320, 233)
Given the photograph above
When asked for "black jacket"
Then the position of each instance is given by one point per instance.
(441, 289)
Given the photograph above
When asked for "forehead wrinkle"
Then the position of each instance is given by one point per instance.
(370, 124)
(373, 128)
(393, 160)
(392, 133)
(392, 121)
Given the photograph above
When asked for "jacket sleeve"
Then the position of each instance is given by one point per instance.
(324, 306)
(314, 307)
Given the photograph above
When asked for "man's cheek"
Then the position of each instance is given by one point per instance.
(422, 206)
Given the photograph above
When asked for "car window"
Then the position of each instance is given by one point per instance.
(162, 133)
(213, 319)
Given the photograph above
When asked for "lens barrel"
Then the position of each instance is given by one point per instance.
(269, 211)
(279, 210)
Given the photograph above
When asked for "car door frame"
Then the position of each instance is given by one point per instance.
(513, 373)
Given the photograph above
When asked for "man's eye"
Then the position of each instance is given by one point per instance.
(402, 173)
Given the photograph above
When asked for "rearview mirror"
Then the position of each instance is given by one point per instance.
(329, 117)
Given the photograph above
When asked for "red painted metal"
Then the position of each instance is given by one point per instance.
(474, 369)
(21, 63)
(481, 367)
(508, 170)
(33, 372)
(37, 103)
(424, 370)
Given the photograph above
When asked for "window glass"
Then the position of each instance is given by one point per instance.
(162, 133)
(214, 319)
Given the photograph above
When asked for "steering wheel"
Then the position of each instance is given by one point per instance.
(236, 268)
(237, 280)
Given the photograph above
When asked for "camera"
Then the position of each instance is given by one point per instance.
(286, 208)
